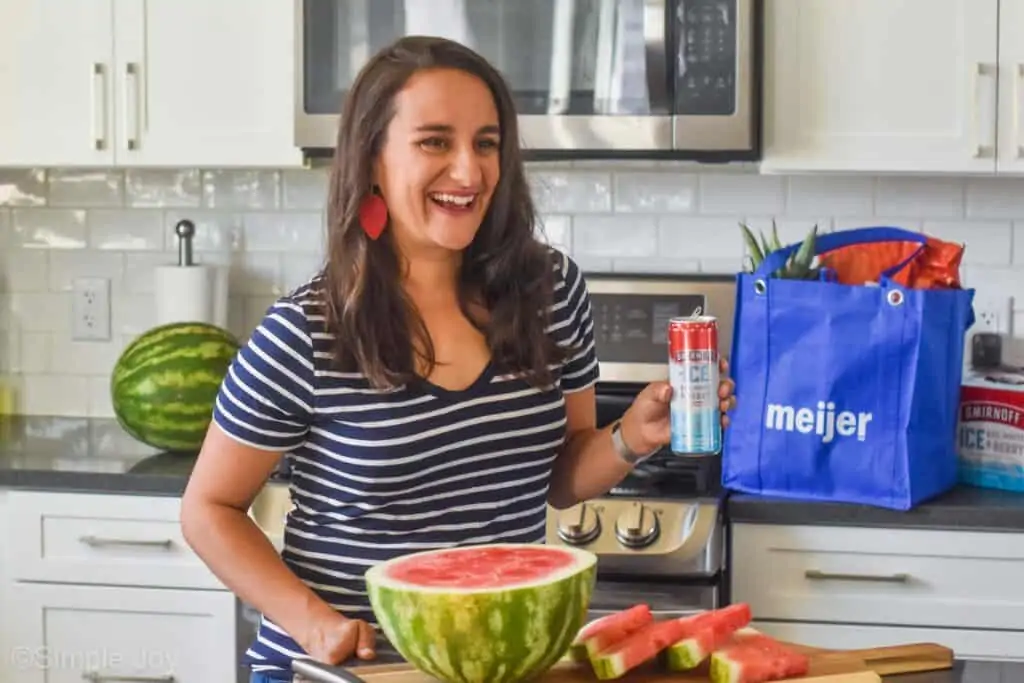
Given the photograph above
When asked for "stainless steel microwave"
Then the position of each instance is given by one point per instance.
(661, 78)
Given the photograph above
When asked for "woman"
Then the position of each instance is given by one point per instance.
(432, 386)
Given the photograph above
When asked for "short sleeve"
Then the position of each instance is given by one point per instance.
(573, 326)
(267, 397)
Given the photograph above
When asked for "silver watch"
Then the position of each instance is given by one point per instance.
(624, 451)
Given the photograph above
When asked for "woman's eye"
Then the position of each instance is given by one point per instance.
(433, 143)
(489, 144)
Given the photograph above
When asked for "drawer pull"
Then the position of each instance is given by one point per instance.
(94, 677)
(98, 542)
(818, 575)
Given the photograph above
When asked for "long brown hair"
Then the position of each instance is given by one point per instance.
(506, 269)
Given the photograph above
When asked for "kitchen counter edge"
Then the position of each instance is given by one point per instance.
(964, 508)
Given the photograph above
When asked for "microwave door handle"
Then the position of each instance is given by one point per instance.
(656, 54)
(561, 56)
(608, 48)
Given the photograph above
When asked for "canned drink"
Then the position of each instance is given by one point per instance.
(693, 373)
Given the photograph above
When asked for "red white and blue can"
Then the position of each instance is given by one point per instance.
(693, 372)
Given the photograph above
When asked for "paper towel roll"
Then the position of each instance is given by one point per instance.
(191, 294)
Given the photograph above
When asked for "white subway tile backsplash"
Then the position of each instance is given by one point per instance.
(741, 194)
(830, 196)
(656, 192)
(81, 188)
(917, 197)
(125, 229)
(22, 187)
(564, 190)
(995, 198)
(610, 236)
(232, 189)
(267, 228)
(48, 228)
(163, 188)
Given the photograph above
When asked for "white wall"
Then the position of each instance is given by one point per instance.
(625, 216)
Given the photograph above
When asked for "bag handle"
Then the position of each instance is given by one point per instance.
(844, 238)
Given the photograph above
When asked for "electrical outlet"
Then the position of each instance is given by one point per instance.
(90, 309)
(993, 314)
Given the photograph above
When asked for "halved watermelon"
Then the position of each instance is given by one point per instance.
(499, 613)
(753, 657)
(707, 632)
(603, 632)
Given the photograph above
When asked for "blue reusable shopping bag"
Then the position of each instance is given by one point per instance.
(845, 393)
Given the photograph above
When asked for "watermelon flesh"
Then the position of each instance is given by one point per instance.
(637, 648)
(498, 613)
(753, 657)
(708, 631)
(604, 632)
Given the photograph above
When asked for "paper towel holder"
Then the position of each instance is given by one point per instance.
(185, 230)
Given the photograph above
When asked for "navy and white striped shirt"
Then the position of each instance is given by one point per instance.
(380, 473)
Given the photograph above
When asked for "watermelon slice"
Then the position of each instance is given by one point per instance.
(706, 633)
(753, 657)
(637, 648)
(603, 632)
(499, 613)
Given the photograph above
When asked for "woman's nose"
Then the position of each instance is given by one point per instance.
(465, 167)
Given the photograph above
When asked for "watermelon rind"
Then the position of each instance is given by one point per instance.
(165, 382)
(506, 634)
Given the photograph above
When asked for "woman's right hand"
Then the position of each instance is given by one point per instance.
(334, 638)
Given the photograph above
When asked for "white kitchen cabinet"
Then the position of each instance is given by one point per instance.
(67, 633)
(820, 584)
(156, 83)
(1011, 94)
(104, 584)
(56, 83)
(917, 86)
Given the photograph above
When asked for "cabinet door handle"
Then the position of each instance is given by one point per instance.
(99, 542)
(131, 104)
(94, 677)
(1018, 110)
(983, 149)
(99, 106)
(818, 575)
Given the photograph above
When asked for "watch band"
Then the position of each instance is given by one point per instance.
(624, 451)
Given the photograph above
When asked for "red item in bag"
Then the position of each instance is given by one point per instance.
(936, 267)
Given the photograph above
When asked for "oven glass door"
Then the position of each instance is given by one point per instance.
(668, 599)
(584, 73)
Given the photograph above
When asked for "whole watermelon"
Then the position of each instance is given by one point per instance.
(496, 613)
(165, 382)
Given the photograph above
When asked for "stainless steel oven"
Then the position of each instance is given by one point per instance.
(672, 78)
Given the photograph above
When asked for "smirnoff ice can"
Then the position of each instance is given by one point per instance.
(693, 373)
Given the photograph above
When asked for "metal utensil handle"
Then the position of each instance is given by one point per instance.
(100, 678)
(97, 542)
(818, 575)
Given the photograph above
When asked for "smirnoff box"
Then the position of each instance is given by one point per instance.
(991, 428)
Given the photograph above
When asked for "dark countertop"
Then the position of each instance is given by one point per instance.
(95, 455)
(967, 672)
(965, 508)
(85, 455)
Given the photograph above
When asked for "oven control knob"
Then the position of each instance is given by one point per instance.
(579, 525)
(637, 526)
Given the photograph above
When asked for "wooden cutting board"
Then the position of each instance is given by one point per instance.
(827, 666)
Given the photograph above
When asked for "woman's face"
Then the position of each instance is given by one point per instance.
(440, 162)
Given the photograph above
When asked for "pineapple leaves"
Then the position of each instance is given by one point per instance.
(800, 264)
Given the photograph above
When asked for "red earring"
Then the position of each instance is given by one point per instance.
(373, 215)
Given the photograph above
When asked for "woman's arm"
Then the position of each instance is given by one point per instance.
(215, 523)
(589, 465)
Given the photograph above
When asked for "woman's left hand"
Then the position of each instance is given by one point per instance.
(646, 425)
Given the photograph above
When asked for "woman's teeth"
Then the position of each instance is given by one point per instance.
(452, 201)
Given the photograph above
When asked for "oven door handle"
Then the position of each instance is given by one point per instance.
(656, 55)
